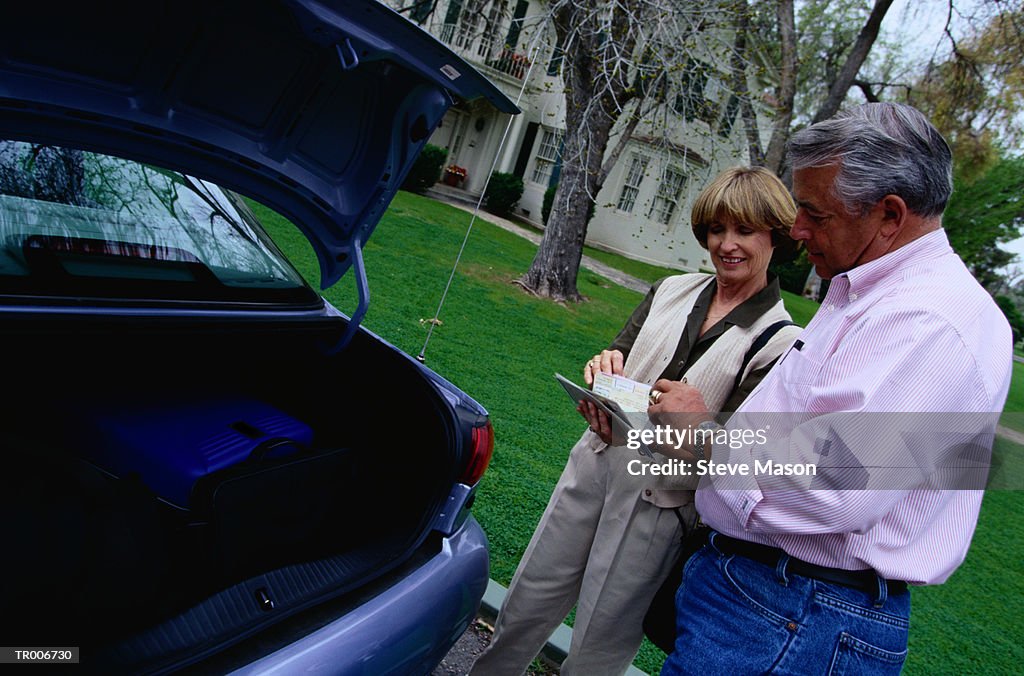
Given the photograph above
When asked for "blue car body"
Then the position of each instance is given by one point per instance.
(137, 289)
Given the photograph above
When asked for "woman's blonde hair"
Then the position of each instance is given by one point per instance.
(753, 196)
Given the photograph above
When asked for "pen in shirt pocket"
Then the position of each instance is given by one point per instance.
(797, 345)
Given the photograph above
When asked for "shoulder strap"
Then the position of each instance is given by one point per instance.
(757, 346)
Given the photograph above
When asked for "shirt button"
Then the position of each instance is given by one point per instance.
(647, 492)
(853, 296)
(831, 307)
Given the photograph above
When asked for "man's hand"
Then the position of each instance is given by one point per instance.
(678, 397)
(679, 406)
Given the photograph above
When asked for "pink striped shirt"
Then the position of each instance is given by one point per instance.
(911, 331)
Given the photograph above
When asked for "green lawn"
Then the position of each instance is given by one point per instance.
(639, 269)
(503, 347)
(799, 307)
(1015, 400)
(1013, 412)
(645, 271)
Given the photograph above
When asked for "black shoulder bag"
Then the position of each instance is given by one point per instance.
(660, 620)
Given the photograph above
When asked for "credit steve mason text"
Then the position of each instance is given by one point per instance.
(710, 468)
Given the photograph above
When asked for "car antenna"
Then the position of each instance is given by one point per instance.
(534, 48)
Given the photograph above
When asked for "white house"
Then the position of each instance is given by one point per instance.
(644, 207)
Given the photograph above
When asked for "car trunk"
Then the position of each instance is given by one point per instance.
(148, 567)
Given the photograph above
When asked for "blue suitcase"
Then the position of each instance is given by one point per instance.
(248, 490)
(172, 446)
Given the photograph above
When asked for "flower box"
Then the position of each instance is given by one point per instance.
(454, 174)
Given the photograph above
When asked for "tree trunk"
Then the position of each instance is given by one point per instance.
(776, 155)
(855, 59)
(554, 269)
(596, 96)
(739, 84)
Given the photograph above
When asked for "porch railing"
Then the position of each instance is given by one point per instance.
(478, 50)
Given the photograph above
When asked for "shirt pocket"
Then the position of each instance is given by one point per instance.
(800, 374)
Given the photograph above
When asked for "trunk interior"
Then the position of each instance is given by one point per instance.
(326, 473)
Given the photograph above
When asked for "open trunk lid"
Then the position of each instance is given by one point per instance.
(318, 109)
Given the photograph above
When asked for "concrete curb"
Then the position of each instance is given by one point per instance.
(557, 646)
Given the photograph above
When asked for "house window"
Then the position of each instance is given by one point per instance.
(670, 189)
(472, 26)
(698, 93)
(421, 10)
(555, 64)
(512, 39)
(631, 186)
(547, 156)
(451, 20)
(728, 119)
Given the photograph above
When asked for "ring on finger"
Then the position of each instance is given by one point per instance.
(655, 396)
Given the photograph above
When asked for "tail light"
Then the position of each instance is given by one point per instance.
(480, 454)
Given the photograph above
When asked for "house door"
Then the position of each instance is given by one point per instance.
(451, 133)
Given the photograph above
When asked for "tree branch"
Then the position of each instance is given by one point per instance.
(865, 87)
(855, 59)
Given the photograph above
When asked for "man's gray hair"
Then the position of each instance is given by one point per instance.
(881, 149)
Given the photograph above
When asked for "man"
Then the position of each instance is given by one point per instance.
(799, 579)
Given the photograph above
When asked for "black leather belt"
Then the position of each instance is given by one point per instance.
(863, 580)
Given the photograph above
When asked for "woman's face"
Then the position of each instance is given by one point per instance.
(739, 253)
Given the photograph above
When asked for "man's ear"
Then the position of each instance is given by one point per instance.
(894, 214)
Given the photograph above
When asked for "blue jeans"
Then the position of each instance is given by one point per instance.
(738, 616)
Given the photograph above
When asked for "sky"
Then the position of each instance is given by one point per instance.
(919, 23)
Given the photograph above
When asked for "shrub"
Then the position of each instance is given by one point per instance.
(503, 193)
(792, 274)
(426, 170)
(549, 200)
(1013, 316)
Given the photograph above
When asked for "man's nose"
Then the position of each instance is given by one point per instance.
(800, 230)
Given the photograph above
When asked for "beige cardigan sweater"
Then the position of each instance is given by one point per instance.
(713, 374)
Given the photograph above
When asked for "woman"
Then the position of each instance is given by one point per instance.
(608, 538)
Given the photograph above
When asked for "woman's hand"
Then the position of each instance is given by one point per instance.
(609, 361)
(598, 421)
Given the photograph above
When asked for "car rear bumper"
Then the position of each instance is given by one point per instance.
(406, 629)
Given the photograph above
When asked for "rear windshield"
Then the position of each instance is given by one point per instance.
(75, 223)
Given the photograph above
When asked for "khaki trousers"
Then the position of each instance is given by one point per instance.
(600, 546)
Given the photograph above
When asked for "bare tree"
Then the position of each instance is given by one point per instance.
(780, 40)
(739, 77)
(622, 60)
(975, 95)
(854, 60)
(775, 155)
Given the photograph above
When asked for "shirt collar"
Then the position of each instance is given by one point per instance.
(864, 278)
